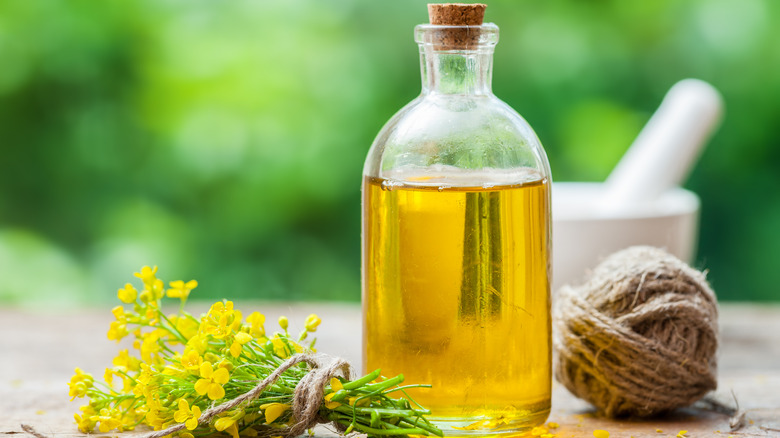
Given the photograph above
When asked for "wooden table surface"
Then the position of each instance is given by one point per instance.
(40, 349)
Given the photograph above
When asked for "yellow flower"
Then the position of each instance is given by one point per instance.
(180, 289)
(119, 313)
(175, 370)
(125, 361)
(223, 423)
(186, 326)
(353, 401)
(79, 384)
(188, 416)
(312, 322)
(227, 423)
(84, 420)
(146, 296)
(147, 275)
(191, 360)
(681, 434)
(116, 331)
(235, 349)
(335, 384)
(211, 381)
(198, 343)
(553, 425)
(242, 338)
(150, 347)
(128, 294)
(329, 403)
(219, 322)
(108, 376)
(600, 433)
(221, 329)
(127, 385)
(142, 381)
(233, 431)
(280, 347)
(213, 352)
(157, 288)
(146, 374)
(152, 313)
(256, 321)
(107, 420)
(273, 411)
(221, 307)
(237, 317)
(154, 419)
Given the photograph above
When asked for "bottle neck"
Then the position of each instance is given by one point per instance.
(461, 72)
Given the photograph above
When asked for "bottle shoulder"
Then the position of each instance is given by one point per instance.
(464, 132)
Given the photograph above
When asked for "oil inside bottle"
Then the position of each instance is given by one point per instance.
(456, 294)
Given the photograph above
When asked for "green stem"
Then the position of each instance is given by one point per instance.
(387, 428)
(401, 388)
(363, 380)
(172, 328)
(424, 425)
(410, 397)
(391, 412)
(399, 431)
(381, 386)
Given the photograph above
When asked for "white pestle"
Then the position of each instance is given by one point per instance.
(663, 154)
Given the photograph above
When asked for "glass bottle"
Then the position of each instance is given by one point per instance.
(456, 245)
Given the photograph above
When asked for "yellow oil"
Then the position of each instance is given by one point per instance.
(456, 294)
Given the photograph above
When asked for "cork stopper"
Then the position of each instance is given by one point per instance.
(456, 14)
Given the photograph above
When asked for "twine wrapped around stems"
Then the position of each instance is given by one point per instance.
(640, 337)
(306, 402)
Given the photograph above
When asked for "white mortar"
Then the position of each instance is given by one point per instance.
(584, 233)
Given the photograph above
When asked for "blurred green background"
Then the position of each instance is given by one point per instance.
(224, 141)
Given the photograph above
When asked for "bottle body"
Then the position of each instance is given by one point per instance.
(456, 252)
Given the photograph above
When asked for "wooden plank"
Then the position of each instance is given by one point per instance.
(39, 350)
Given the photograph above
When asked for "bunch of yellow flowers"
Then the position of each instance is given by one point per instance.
(181, 366)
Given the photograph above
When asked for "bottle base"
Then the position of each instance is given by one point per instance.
(505, 423)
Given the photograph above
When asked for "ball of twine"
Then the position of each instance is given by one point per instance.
(639, 338)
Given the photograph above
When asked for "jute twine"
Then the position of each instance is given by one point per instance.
(639, 338)
(306, 399)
